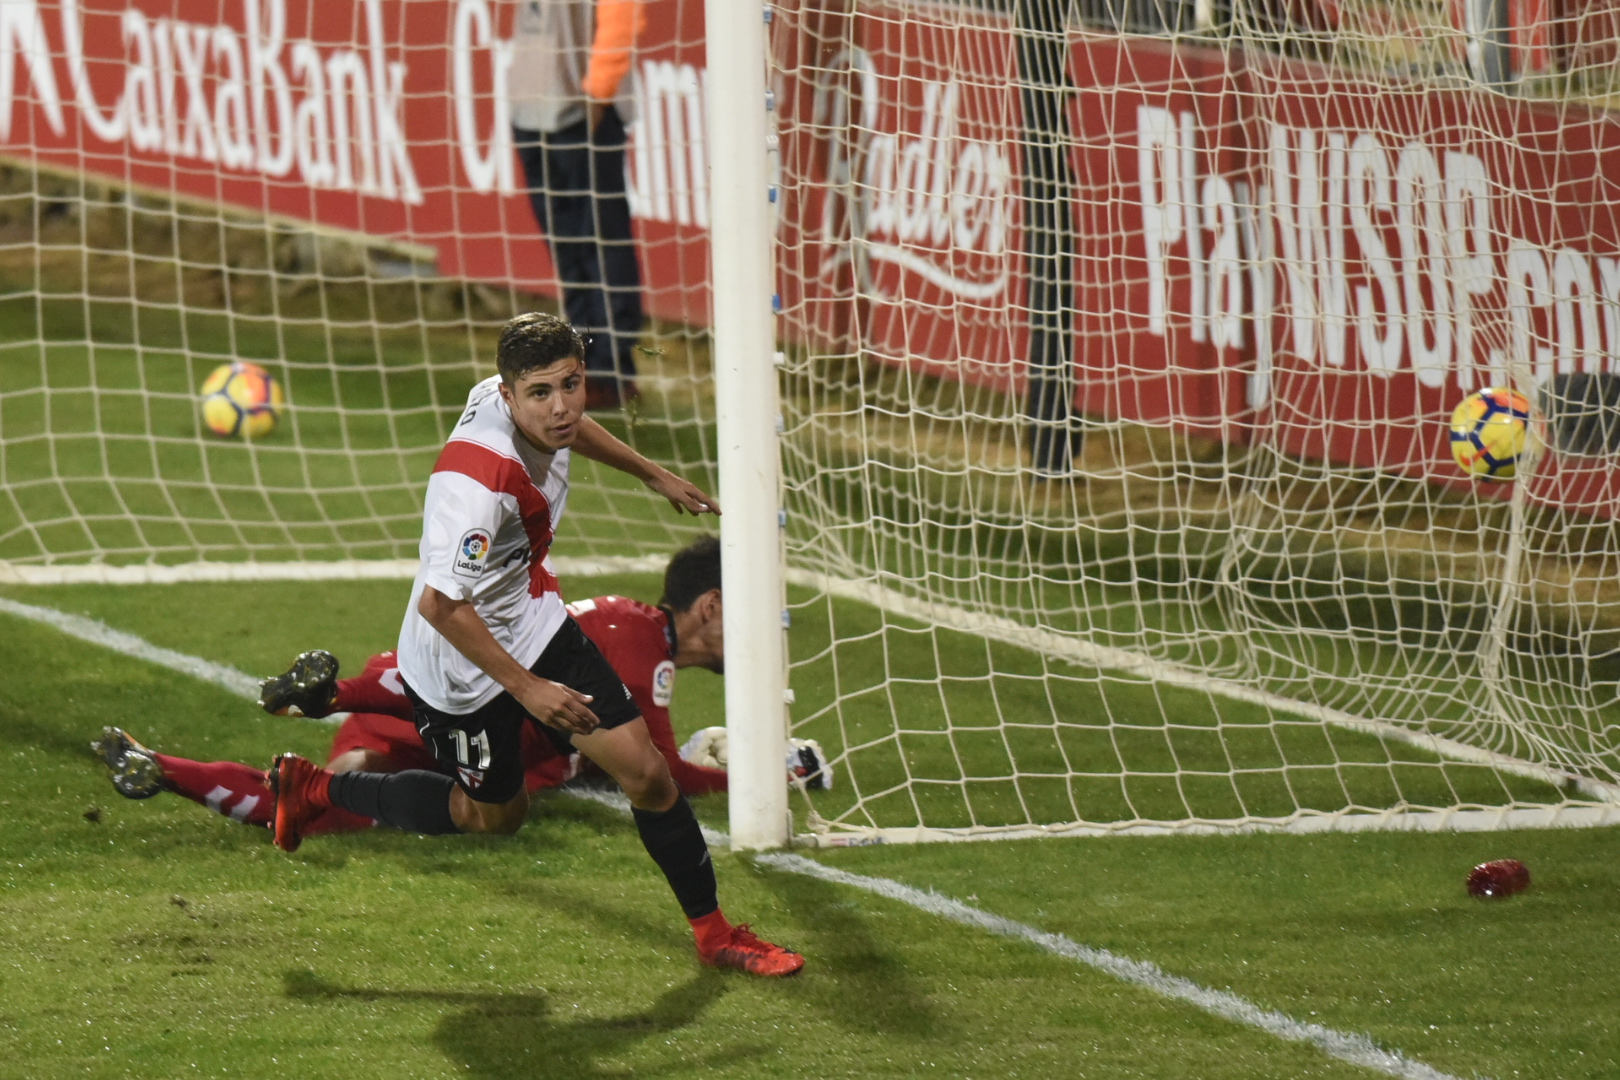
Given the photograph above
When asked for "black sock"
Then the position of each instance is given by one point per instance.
(416, 800)
(675, 841)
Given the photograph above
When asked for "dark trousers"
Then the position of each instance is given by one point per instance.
(576, 186)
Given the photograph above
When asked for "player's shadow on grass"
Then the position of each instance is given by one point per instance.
(869, 987)
(561, 834)
(512, 1036)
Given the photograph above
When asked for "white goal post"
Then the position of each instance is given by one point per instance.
(742, 275)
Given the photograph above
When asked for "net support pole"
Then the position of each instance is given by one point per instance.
(1048, 233)
(746, 409)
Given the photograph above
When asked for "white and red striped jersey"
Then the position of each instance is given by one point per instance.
(493, 503)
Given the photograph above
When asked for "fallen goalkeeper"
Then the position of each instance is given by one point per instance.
(644, 644)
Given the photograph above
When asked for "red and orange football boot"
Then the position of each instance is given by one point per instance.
(742, 949)
(300, 786)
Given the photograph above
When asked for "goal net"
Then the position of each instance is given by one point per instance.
(1118, 340)
(332, 192)
(1123, 340)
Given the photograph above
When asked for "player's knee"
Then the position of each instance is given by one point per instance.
(506, 821)
(506, 818)
(648, 784)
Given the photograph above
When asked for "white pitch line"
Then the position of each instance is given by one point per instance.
(1355, 1049)
(615, 799)
(342, 570)
(99, 633)
(237, 682)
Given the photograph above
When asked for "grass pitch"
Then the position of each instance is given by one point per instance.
(161, 940)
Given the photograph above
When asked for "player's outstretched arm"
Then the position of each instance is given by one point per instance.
(693, 779)
(548, 702)
(597, 443)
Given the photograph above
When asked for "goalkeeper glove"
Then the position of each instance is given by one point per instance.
(806, 760)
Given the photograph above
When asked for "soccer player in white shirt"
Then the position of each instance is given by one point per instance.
(487, 645)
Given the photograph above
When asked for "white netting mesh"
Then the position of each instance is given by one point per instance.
(147, 144)
(1265, 251)
(1119, 338)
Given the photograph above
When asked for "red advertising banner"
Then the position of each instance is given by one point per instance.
(900, 225)
(1264, 247)
(379, 116)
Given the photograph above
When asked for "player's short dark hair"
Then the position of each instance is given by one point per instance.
(535, 340)
(692, 571)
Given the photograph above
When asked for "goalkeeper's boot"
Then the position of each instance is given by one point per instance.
(743, 950)
(134, 772)
(308, 688)
(300, 788)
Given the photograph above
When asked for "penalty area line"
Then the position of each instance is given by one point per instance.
(1351, 1048)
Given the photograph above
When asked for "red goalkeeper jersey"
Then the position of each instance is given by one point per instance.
(635, 638)
(638, 640)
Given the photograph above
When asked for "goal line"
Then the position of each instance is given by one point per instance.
(336, 570)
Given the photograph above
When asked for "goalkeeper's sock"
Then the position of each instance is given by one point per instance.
(368, 692)
(675, 841)
(226, 787)
(336, 819)
(415, 800)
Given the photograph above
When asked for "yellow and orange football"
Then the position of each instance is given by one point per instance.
(241, 399)
(1490, 433)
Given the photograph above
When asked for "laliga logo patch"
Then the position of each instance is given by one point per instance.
(473, 555)
(664, 684)
(470, 778)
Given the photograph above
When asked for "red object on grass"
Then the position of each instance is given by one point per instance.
(1498, 879)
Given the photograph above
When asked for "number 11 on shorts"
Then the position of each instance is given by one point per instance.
(464, 747)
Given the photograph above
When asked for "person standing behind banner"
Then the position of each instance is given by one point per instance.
(570, 105)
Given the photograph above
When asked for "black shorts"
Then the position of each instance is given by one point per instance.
(483, 749)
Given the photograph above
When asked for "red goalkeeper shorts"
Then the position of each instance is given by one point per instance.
(393, 738)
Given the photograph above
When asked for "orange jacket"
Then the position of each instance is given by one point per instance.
(618, 24)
